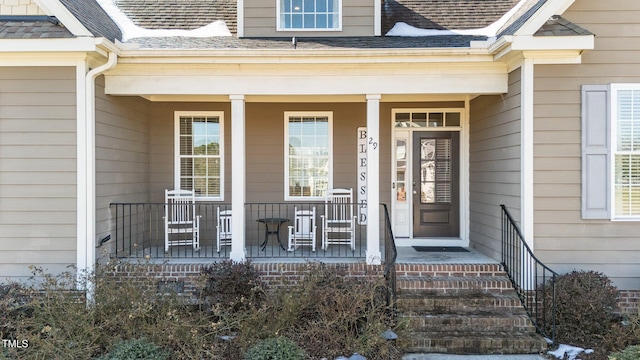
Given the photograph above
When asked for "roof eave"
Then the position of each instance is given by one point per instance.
(541, 49)
(305, 56)
(574, 42)
(48, 45)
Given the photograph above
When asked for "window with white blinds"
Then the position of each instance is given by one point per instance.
(308, 153)
(626, 115)
(199, 153)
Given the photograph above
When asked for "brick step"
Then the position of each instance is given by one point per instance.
(412, 270)
(469, 323)
(471, 343)
(453, 284)
(482, 303)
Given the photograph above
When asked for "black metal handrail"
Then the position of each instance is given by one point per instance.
(390, 256)
(530, 277)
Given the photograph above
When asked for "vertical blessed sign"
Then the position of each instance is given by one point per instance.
(362, 175)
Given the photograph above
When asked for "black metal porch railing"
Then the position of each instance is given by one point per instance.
(531, 278)
(390, 256)
(138, 232)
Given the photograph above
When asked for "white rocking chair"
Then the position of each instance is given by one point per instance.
(339, 221)
(224, 228)
(181, 224)
(303, 231)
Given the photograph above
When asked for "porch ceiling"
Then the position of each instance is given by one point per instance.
(310, 98)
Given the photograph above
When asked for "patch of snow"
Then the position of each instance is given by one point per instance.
(131, 30)
(569, 351)
(404, 29)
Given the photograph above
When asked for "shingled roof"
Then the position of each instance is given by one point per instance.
(558, 26)
(444, 14)
(368, 42)
(521, 16)
(191, 14)
(179, 14)
(32, 27)
(94, 18)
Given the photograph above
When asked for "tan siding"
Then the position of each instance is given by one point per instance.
(38, 178)
(260, 20)
(494, 167)
(122, 154)
(265, 146)
(265, 155)
(563, 240)
(265, 152)
(20, 272)
(161, 173)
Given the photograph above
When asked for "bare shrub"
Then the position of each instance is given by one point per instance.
(61, 325)
(326, 313)
(230, 287)
(587, 313)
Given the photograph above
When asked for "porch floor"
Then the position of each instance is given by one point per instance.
(271, 253)
(408, 255)
(334, 254)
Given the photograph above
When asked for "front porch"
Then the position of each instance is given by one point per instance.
(138, 232)
(261, 155)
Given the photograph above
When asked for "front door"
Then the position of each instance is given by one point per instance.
(436, 210)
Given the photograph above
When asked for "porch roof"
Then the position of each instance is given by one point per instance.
(32, 27)
(558, 26)
(369, 42)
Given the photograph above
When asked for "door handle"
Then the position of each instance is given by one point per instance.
(414, 188)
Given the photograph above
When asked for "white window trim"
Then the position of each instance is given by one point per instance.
(279, 26)
(461, 111)
(287, 115)
(176, 150)
(463, 170)
(613, 93)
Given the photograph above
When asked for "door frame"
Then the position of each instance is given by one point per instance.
(402, 239)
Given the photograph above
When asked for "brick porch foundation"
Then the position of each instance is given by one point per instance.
(184, 278)
(629, 301)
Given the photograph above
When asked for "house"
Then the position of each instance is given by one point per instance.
(441, 110)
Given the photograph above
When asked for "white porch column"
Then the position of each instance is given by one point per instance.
(374, 257)
(526, 149)
(238, 177)
(84, 196)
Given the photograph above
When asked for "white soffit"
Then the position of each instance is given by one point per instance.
(552, 43)
(335, 98)
(83, 44)
(543, 49)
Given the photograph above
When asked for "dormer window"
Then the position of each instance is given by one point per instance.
(309, 15)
